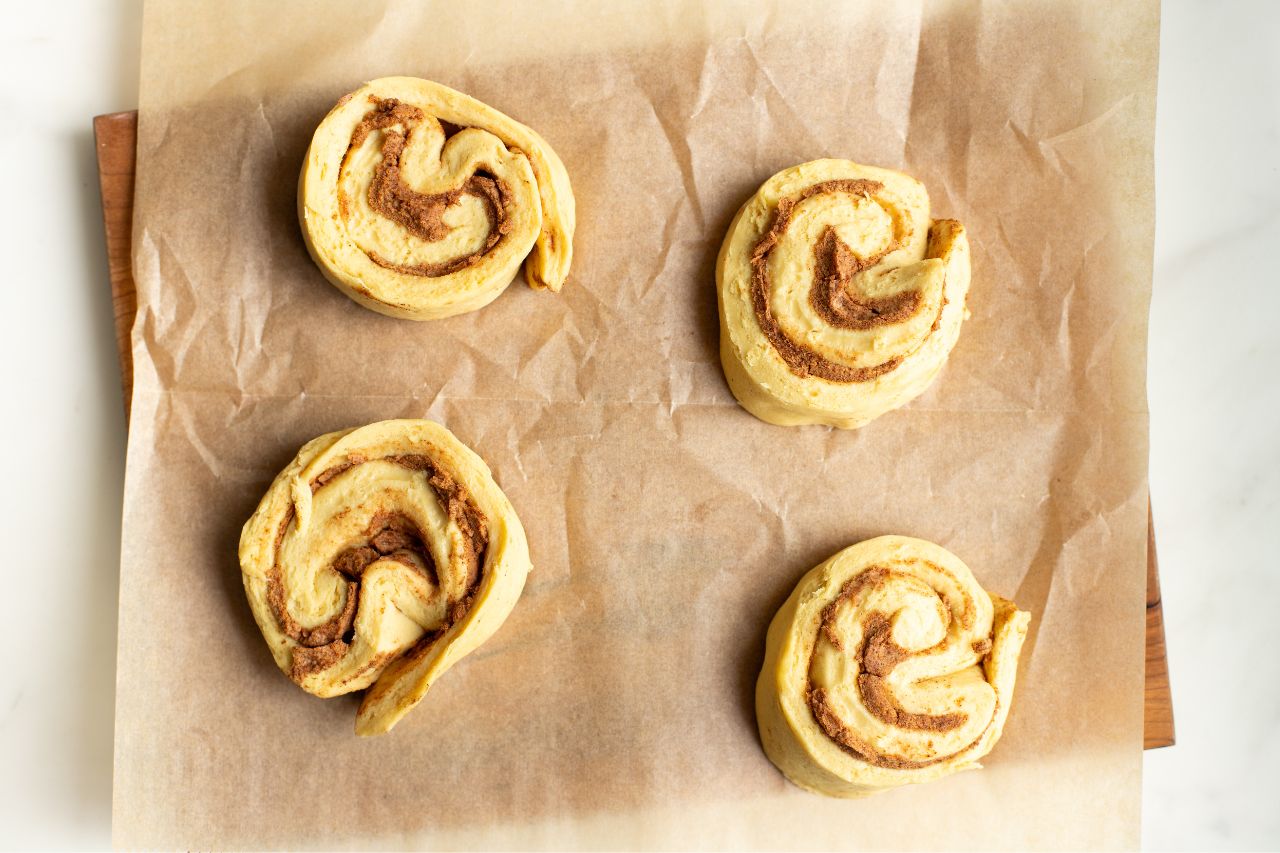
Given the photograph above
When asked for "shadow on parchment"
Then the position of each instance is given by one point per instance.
(707, 312)
(224, 540)
(772, 595)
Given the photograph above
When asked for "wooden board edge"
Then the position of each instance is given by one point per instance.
(1157, 729)
(116, 140)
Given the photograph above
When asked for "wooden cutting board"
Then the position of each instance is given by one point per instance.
(116, 135)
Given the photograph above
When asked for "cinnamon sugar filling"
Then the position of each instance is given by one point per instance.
(389, 535)
(422, 214)
(876, 657)
(834, 296)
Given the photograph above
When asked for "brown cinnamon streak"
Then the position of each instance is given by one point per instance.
(422, 214)
(836, 301)
(833, 296)
(877, 657)
(880, 654)
(389, 535)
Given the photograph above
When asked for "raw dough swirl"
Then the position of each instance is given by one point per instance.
(888, 665)
(377, 559)
(840, 299)
(420, 202)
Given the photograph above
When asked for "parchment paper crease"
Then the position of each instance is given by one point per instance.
(614, 708)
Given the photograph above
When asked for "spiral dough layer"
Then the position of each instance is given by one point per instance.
(377, 559)
(888, 665)
(420, 202)
(839, 299)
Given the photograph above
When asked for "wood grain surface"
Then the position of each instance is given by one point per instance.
(116, 136)
(1157, 728)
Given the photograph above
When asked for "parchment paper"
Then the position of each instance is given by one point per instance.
(614, 708)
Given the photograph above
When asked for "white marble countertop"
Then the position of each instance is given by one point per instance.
(1215, 422)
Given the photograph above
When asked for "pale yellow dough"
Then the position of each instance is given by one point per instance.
(413, 618)
(949, 670)
(345, 234)
(927, 257)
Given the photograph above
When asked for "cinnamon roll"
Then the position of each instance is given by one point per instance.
(379, 558)
(888, 665)
(420, 202)
(840, 299)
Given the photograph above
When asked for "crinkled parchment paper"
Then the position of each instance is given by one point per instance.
(614, 708)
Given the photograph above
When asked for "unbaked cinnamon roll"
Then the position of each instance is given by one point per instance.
(379, 558)
(840, 299)
(888, 665)
(421, 202)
